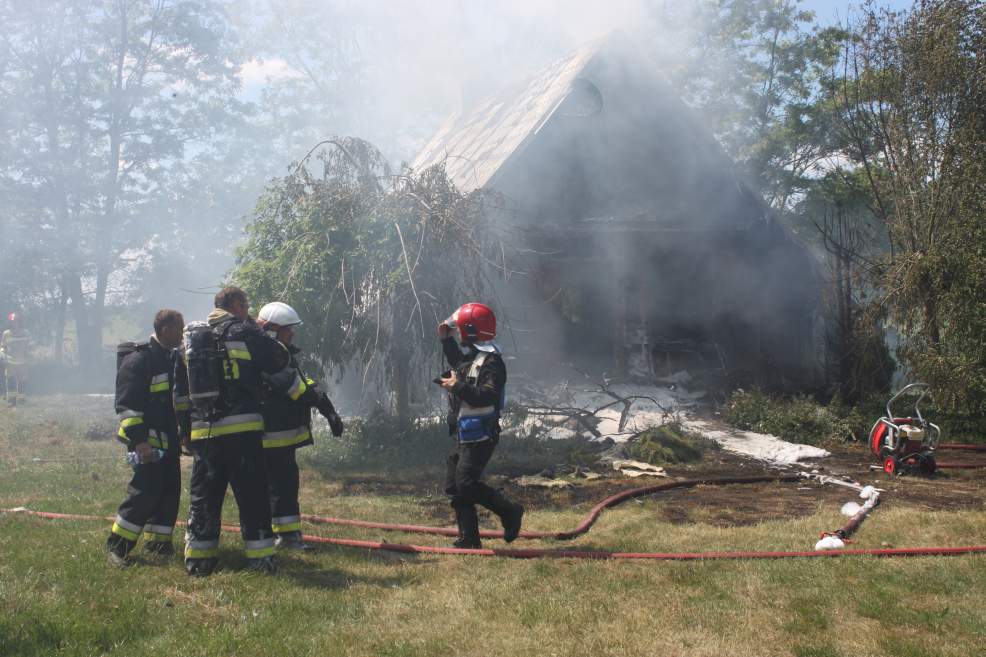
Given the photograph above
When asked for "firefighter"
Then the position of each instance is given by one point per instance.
(475, 386)
(288, 426)
(144, 403)
(14, 347)
(225, 440)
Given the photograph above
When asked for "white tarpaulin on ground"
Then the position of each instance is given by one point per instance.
(652, 406)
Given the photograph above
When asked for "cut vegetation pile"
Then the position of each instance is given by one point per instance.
(669, 444)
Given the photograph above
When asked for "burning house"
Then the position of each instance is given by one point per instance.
(645, 251)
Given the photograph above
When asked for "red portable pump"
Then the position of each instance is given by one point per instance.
(906, 444)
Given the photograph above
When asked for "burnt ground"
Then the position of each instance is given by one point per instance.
(731, 505)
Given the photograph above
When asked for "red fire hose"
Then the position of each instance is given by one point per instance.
(949, 465)
(583, 527)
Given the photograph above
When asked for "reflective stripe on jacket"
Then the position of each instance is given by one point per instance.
(251, 357)
(144, 403)
(288, 418)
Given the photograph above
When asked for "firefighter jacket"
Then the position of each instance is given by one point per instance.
(14, 347)
(144, 402)
(287, 421)
(478, 392)
(250, 357)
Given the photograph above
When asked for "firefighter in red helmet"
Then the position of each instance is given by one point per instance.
(475, 386)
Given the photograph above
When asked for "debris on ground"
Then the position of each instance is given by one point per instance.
(611, 412)
(638, 469)
(537, 481)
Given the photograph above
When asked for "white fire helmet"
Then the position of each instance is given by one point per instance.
(280, 314)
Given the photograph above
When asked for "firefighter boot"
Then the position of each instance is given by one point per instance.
(511, 515)
(201, 567)
(262, 565)
(159, 550)
(468, 523)
(117, 551)
(290, 541)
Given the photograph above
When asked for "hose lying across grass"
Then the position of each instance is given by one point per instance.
(961, 465)
(582, 528)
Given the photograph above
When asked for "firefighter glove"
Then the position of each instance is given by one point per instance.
(328, 411)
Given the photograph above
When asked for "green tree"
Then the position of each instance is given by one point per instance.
(103, 100)
(752, 70)
(911, 96)
(372, 260)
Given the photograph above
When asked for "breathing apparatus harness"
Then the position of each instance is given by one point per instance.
(209, 365)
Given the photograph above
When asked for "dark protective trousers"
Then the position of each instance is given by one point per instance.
(237, 461)
(283, 483)
(463, 474)
(464, 471)
(151, 505)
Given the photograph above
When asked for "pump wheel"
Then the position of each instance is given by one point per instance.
(890, 465)
(928, 466)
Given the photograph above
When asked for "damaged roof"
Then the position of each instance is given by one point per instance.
(475, 144)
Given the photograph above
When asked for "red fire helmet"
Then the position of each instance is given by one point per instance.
(12, 317)
(475, 322)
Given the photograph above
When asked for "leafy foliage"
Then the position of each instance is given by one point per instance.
(797, 419)
(101, 101)
(373, 261)
(914, 119)
(752, 69)
(669, 443)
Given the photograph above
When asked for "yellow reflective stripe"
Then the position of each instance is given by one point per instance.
(273, 439)
(183, 406)
(261, 548)
(128, 422)
(198, 434)
(160, 383)
(286, 527)
(155, 439)
(298, 388)
(125, 533)
(238, 349)
(200, 553)
(232, 372)
(227, 425)
(128, 530)
(157, 538)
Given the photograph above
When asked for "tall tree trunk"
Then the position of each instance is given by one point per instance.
(88, 349)
(60, 326)
(98, 315)
(400, 354)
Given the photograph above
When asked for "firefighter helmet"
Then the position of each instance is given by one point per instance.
(280, 314)
(475, 322)
(13, 317)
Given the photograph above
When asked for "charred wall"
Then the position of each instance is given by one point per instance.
(643, 235)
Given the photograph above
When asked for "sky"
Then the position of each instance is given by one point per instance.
(830, 10)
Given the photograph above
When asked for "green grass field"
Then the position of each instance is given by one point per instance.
(57, 596)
